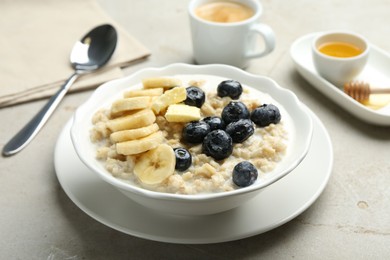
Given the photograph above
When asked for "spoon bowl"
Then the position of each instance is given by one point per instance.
(92, 52)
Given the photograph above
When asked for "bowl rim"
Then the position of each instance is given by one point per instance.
(182, 68)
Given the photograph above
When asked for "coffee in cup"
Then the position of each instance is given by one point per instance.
(226, 31)
(224, 12)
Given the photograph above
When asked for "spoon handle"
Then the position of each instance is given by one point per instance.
(29, 131)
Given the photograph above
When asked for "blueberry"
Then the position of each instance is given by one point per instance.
(195, 97)
(265, 115)
(234, 111)
(214, 122)
(244, 174)
(240, 130)
(183, 159)
(195, 131)
(231, 88)
(218, 144)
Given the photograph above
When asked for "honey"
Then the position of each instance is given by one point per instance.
(377, 101)
(339, 49)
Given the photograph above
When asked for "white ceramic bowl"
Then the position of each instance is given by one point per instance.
(293, 112)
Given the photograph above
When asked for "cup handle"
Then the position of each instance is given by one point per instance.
(269, 39)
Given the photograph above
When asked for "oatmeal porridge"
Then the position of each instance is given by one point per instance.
(190, 134)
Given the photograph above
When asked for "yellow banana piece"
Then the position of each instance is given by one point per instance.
(140, 145)
(139, 119)
(161, 82)
(154, 166)
(172, 96)
(182, 113)
(144, 92)
(128, 104)
(133, 134)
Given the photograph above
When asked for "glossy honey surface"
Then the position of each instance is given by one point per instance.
(340, 49)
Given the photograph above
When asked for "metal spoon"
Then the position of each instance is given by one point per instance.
(89, 54)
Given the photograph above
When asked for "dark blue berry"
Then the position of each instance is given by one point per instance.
(230, 88)
(195, 97)
(265, 115)
(244, 174)
(183, 159)
(214, 122)
(240, 130)
(218, 144)
(194, 132)
(235, 111)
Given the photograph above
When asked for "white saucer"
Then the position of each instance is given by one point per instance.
(376, 73)
(276, 205)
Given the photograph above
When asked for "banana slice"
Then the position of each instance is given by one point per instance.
(182, 113)
(172, 96)
(156, 165)
(139, 119)
(161, 82)
(128, 104)
(144, 92)
(133, 134)
(140, 145)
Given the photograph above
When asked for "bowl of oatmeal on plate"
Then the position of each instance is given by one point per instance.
(191, 140)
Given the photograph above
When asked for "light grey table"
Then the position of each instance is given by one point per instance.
(350, 220)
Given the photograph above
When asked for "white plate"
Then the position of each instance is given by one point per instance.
(376, 72)
(276, 205)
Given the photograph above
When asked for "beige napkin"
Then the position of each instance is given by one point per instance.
(36, 40)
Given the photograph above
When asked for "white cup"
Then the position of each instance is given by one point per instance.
(229, 43)
(339, 70)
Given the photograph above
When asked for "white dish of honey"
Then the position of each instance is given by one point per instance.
(376, 72)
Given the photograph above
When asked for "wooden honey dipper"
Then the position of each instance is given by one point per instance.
(361, 91)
